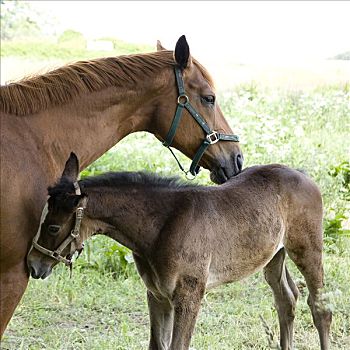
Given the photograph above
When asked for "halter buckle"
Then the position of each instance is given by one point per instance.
(213, 137)
(79, 213)
(55, 255)
(74, 233)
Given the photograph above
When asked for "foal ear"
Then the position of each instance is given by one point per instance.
(71, 169)
(160, 47)
(182, 53)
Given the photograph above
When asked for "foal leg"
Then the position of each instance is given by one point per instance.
(161, 316)
(285, 294)
(161, 311)
(309, 262)
(187, 300)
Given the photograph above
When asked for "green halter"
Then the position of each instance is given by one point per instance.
(211, 136)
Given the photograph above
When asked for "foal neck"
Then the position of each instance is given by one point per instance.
(131, 213)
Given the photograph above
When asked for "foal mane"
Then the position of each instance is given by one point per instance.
(119, 179)
(59, 86)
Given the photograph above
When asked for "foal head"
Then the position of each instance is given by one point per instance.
(197, 99)
(59, 236)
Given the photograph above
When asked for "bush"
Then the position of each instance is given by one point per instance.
(106, 256)
(72, 40)
(304, 130)
(337, 220)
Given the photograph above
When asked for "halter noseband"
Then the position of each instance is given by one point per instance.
(71, 238)
(211, 136)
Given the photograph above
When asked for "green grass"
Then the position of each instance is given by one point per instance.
(94, 311)
(41, 49)
(103, 306)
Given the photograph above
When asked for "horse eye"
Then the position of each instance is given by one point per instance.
(53, 229)
(210, 99)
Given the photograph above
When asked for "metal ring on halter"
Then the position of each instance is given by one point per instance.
(189, 176)
(185, 97)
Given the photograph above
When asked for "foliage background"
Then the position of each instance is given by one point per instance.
(304, 125)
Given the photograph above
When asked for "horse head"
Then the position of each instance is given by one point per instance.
(201, 131)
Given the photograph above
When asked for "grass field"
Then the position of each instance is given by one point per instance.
(95, 311)
(103, 306)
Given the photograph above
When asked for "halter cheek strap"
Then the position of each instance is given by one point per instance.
(211, 136)
(42, 219)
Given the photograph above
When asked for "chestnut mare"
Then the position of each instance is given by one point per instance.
(88, 107)
(188, 238)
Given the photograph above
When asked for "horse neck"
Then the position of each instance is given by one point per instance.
(90, 125)
(128, 214)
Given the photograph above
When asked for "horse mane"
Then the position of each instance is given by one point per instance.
(119, 179)
(34, 94)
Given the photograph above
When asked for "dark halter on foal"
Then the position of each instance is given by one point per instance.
(211, 136)
(71, 238)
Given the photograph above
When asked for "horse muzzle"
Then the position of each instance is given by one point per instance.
(227, 168)
(38, 269)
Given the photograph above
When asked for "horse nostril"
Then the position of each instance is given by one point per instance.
(33, 272)
(239, 161)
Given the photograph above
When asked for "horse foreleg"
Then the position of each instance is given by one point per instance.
(161, 316)
(285, 295)
(186, 300)
(13, 283)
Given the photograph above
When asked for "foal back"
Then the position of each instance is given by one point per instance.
(251, 216)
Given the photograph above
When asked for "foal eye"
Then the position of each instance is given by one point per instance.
(53, 229)
(210, 99)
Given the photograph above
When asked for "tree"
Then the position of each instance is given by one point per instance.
(342, 56)
(18, 20)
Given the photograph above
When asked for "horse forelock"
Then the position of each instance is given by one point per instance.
(34, 94)
(63, 186)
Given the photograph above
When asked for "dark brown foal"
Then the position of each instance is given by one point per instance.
(188, 238)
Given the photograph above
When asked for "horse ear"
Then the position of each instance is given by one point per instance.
(71, 169)
(182, 53)
(160, 47)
